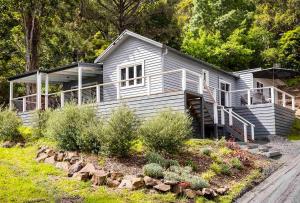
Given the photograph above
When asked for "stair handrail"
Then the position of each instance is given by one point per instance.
(242, 120)
(209, 92)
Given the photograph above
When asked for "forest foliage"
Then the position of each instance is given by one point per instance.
(232, 34)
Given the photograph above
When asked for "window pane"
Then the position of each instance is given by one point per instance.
(123, 76)
(139, 74)
(131, 75)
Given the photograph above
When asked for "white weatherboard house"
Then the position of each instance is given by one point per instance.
(149, 76)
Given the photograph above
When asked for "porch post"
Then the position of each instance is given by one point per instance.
(222, 116)
(38, 90)
(98, 93)
(11, 94)
(79, 85)
(283, 99)
(230, 116)
(183, 80)
(245, 133)
(46, 90)
(200, 84)
(272, 95)
(249, 97)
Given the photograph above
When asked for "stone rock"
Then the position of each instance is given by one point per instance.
(63, 165)
(60, 156)
(75, 168)
(20, 144)
(89, 168)
(137, 183)
(50, 160)
(41, 150)
(152, 191)
(208, 192)
(71, 155)
(177, 189)
(170, 182)
(50, 152)
(272, 154)
(222, 190)
(125, 184)
(99, 177)
(150, 181)
(8, 144)
(41, 157)
(191, 194)
(112, 183)
(199, 193)
(163, 187)
(263, 149)
(116, 175)
(81, 176)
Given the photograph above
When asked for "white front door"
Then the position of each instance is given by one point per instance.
(225, 87)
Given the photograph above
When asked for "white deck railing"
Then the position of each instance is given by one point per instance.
(175, 80)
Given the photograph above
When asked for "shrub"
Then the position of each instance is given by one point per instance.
(171, 162)
(215, 168)
(71, 127)
(120, 131)
(206, 151)
(26, 132)
(224, 151)
(225, 169)
(167, 131)
(208, 175)
(9, 124)
(236, 163)
(153, 170)
(172, 176)
(197, 182)
(39, 121)
(153, 157)
(192, 164)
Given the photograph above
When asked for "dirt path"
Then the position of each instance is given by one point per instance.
(283, 186)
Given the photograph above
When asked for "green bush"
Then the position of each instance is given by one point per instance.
(236, 163)
(154, 157)
(153, 170)
(172, 162)
(171, 176)
(39, 121)
(225, 169)
(192, 164)
(206, 151)
(215, 168)
(295, 130)
(9, 124)
(167, 131)
(120, 131)
(74, 127)
(196, 182)
(26, 132)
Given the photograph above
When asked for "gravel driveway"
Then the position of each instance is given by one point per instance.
(284, 184)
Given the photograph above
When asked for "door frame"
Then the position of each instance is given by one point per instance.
(227, 96)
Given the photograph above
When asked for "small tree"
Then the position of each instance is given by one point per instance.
(120, 131)
(9, 124)
(167, 131)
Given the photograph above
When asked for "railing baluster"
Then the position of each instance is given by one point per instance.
(222, 116)
(230, 117)
(62, 99)
(252, 132)
(183, 80)
(98, 94)
(24, 104)
(249, 97)
(272, 95)
(283, 100)
(245, 133)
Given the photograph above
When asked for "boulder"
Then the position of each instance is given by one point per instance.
(125, 184)
(81, 176)
(162, 187)
(137, 183)
(177, 189)
(132, 182)
(191, 194)
(150, 181)
(112, 183)
(116, 175)
(41, 157)
(75, 168)
(20, 144)
(199, 193)
(99, 177)
(50, 152)
(60, 156)
(208, 192)
(71, 155)
(50, 160)
(63, 165)
(222, 190)
(41, 150)
(89, 168)
(170, 182)
(8, 144)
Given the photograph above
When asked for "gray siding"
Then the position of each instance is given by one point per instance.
(146, 106)
(27, 117)
(269, 119)
(174, 61)
(132, 50)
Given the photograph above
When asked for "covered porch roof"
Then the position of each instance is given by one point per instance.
(61, 74)
(276, 73)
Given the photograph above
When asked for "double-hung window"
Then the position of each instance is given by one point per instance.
(205, 77)
(131, 75)
(259, 85)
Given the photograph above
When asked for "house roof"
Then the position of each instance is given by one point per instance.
(33, 73)
(276, 73)
(113, 46)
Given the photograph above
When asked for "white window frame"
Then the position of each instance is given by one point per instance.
(261, 85)
(228, 100)
(206, 72)
(126, 67)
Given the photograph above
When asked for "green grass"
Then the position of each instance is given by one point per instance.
(22, 179)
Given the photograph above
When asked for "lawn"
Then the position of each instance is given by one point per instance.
(22, 179)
